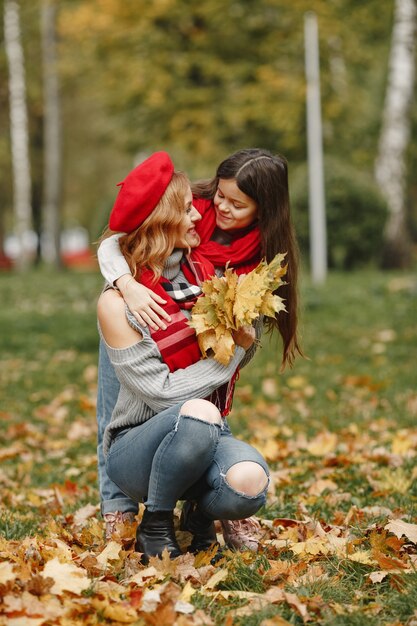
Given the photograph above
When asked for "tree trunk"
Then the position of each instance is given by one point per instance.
(390, 166)
(18, 130)
(52, 139)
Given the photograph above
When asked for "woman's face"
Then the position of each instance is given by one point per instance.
(234, 209)
(187, 230)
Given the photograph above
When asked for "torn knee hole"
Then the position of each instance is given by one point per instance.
(247, 477)
(202, 410)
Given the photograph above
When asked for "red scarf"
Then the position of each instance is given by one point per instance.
(243, 254)
(178, 344)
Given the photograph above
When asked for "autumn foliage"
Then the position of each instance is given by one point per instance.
(228, 303)
(338, 536)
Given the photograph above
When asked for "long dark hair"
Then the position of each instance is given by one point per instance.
(264, 177)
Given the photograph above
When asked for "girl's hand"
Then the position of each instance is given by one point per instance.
(244, 336)
(143, 303)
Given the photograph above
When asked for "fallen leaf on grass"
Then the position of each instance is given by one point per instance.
(313, 574)
(10, 452)
(6, 572)
(388, 562)
(31, 607)
(377, 577)
(317, 488)
(214, 580)
(110, 553)
(152, 598)
(277, 620)
(311, 547)
(83, 514)
(122, 613)
(149, 572)
(66, 576)
(399, 528)
(392, 480)
(323, 444)
(25, 621)
(361, 556)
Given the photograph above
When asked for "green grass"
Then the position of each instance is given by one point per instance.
(359, 326)
(359, 332)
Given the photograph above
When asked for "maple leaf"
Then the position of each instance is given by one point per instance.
(83, 514)
(399, 528)
(388, 562)
(110, 553)
(6, 572)
(361, 556)
(214, 580)
(66, 576)
(120, 613)
(233, 301)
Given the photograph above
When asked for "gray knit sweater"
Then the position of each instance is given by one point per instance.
(147, 387)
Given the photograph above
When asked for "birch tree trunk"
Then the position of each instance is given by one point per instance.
(390, 165)
(52, 138)
(18, 130)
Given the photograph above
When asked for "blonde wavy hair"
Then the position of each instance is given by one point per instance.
(155, 239)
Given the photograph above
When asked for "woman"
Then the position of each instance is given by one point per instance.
(245, 216)
(162, 446)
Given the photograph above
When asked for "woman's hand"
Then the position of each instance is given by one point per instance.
(143, 303)
(244, 336)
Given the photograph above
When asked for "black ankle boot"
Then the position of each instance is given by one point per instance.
(155, 533)
(201, 527)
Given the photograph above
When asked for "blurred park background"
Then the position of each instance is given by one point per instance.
(95, 86)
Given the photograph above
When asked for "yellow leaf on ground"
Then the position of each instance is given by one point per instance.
(311, 546)
(293, 600)
(187, 592)
(66, 576)
(377, 577)
(110, 553)
(83, 514)
(151, 599)
(277, 620)
(317, 488)
(149, 572)
(25, 621)
(6, 572)
(394, 480)
(399, 528)
(214, 580)
(402, 442)
(122, 613)
(323, 444)
(361, 556)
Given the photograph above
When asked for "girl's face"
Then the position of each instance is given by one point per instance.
(187, 230)
(234, 209)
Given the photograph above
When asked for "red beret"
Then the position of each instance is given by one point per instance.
(140, 192)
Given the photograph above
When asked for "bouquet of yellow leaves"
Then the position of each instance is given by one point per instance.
(228, 303)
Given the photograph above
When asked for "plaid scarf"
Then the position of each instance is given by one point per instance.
(178, 344)
(183, 293)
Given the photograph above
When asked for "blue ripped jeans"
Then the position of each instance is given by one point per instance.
(175, 457)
